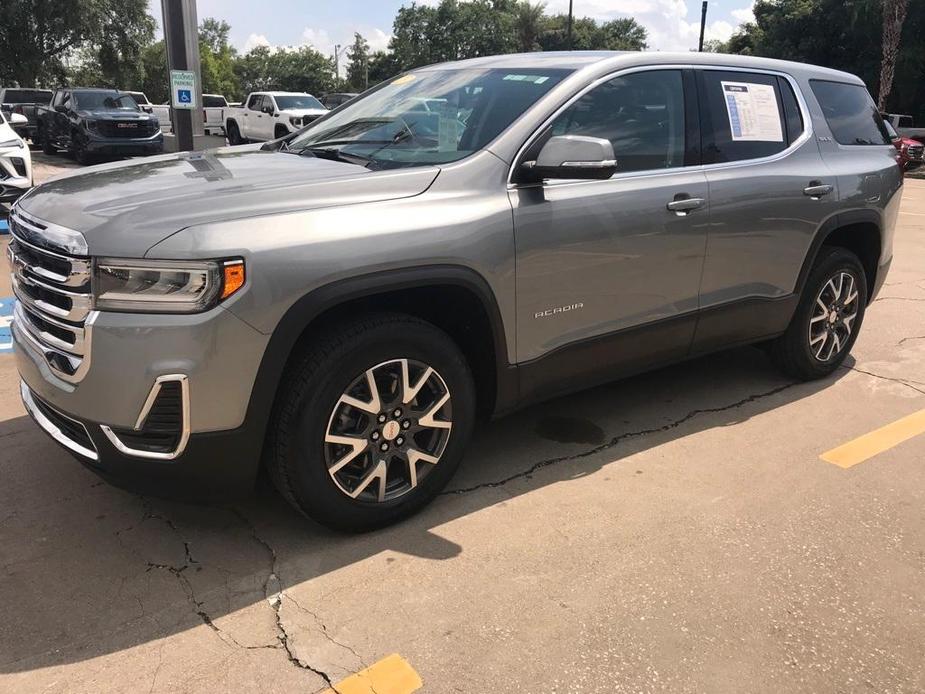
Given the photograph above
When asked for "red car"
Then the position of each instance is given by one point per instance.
(911, 152)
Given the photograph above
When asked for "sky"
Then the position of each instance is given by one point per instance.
(673, 25)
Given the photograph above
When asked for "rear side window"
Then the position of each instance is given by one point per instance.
(851, 114)
(746, 115)
(255, 102)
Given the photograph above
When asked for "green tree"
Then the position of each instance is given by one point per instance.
(46, 35)
(588, 35)
(529, 19)
(382, 66)
(358, 64)
(289, 69)
(217, 58)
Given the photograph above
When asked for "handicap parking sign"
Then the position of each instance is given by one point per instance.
(183, 89)
(6, 318)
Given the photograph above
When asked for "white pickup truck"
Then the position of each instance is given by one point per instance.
(213, 112)
(270, 115)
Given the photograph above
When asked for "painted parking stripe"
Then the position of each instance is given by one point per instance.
(391, 675)
(876, 442)
(6, 317)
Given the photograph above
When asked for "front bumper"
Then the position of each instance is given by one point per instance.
(215, 354)
(97, 144)
(213, 466)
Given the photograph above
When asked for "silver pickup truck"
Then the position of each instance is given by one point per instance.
(345, 305)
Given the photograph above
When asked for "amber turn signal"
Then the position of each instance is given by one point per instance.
(233, 278)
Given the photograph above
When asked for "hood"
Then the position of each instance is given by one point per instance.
(304, 111)
(123, 209)
(113, 115)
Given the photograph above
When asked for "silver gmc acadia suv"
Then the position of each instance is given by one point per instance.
(340, 306)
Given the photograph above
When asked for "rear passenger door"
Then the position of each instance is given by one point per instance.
(770, 191)
(253, 116)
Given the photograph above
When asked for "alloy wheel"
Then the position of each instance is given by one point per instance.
(834, 313)
(388, 430)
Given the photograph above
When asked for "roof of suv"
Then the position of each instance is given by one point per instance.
(593, 60)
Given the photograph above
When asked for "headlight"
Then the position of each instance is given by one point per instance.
(295, 120)
(164, 286)
(12, 143)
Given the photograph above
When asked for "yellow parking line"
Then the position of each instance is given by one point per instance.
(391, 675)
(875, 442)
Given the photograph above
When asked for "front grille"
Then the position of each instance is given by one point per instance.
(52, 288)
(916, 152)
(20, 165)
(162, 428)
(126, 128)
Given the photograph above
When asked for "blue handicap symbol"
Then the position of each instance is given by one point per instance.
(4, 227)
(184, 96)
(6, 317)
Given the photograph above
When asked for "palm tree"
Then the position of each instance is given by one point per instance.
(529, 18)
(894, 15)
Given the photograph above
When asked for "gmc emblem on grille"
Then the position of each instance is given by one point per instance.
(126, 125)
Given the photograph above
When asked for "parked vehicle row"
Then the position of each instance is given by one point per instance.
(24, 102)
(15, 158)
(910, 153)
(347, 305)
(89, 123)
(904, 126)
(271, 115)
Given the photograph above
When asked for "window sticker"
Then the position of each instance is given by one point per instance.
(536, 79)
(404, 79)
(753, 113)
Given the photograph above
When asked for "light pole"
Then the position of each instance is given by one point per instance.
(569, 40)
(703, 24)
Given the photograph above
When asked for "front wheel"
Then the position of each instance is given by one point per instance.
(372, 423)
(45, 141)
(828, 317)
(234, 134)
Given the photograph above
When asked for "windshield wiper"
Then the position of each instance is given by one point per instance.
(334, 155)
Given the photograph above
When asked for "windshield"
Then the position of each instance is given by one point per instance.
(26, 96)
(431, 116)
(286, 103)
(105, 101)
(138, 97)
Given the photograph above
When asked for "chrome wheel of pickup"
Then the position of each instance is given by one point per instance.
(834, 313)
(388, 430)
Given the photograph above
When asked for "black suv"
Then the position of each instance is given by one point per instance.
(93, 122)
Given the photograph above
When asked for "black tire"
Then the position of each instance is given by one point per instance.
(792, 352)
(47, 146)
(280, 131)
(234, 135)
(79, 150)
(297, 457)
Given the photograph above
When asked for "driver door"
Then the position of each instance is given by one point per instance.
(607, 274)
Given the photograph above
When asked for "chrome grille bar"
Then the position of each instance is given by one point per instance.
(54, 308)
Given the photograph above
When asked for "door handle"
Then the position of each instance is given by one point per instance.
(684, 205)
(816, 190)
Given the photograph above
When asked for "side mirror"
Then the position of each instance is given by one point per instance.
(18, 119)
(268, 110)
(574, 156)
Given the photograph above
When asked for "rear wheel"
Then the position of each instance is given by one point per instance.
(372, 423)
(828, 317)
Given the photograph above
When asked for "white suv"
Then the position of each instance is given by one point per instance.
(15, 159)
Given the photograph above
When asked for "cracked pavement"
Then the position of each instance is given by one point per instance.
(672, 532)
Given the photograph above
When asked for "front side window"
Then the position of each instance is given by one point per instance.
(428, 117)
(642, 114)
(851, 113)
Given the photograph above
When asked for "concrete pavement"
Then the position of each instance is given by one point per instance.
(674, 532)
